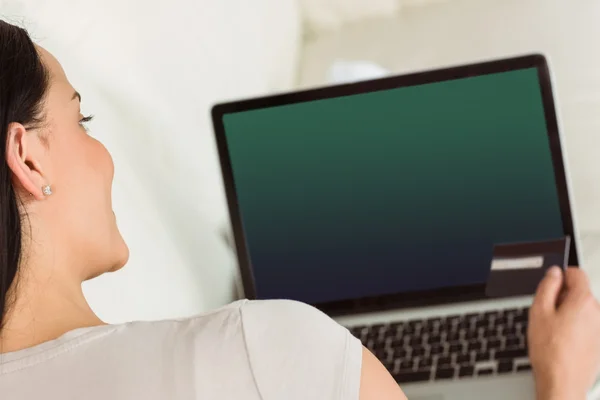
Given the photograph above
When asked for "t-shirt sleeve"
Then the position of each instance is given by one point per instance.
(296, 352)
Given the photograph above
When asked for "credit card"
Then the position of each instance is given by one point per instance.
(517, 268)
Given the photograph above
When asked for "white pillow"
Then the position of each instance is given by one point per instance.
(321, 16)
(327, 15)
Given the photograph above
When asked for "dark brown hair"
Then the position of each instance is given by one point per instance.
(23, 85)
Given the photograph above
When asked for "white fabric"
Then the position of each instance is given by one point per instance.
(150, 71)
(354, 71)
(326, 15)
(246, 351)
(321, 16)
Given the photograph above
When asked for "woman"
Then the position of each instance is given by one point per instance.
(57, 229)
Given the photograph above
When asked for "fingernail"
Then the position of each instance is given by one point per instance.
(554, 272)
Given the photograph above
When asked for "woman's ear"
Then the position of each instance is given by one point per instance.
(21, 161)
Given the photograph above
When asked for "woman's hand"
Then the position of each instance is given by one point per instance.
(564, 336)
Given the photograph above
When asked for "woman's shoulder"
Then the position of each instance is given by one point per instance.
(266, 349)
(251, 314)
(287, 338)
(287, 319)
(274, 339)
(267, 321)
(272, 322)
(252, 319)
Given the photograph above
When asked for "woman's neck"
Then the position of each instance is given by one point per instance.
(43, 307)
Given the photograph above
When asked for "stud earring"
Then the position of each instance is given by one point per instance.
(47, 190)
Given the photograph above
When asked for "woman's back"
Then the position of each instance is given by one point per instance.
(244, 351)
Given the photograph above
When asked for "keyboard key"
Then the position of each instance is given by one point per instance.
(407, 363)
(482, 323)
(511, 311)
(379, 345)
(412, 376)
(464, 324)
(466, 370)
(512, 341)
(381, 354)
(444, 360)
(509, 331)
(524, 316)
(463, 358)
(453, 319)
(509, 354)
(519, 329)
(416, 341)
(399, 353)
(437, 338)
(414, 323)
(453, 337)
(390, 333)
(491, 314)
(523, 367)
(444, 373)
(505, 366)
(522, 332)
(473, 316)
(396, 325)
(456, 347)
(430, 329)
(389, 365)
(485, 371)
(418, 352)
(425, 362)
(436, 349)
(475, 346)
(490, 331)
(471, 334)
(482, 356)
(493, 343)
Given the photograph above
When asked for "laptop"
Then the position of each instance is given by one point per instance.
(380, 202)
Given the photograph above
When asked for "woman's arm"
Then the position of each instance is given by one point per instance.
(376, 383)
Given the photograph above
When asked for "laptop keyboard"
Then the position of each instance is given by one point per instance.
(453, 347)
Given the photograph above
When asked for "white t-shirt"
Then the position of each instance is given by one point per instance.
(248, 350)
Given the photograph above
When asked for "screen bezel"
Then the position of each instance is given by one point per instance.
(406, 299)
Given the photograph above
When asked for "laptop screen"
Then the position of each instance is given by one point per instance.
(392, 191)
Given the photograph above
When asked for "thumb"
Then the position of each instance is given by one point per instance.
(546, 296)
(576, 280)
(577, 286)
